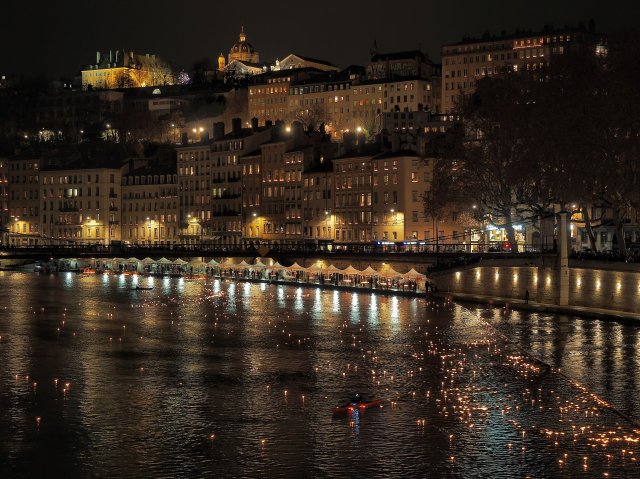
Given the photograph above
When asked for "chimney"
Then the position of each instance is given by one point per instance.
(205, 137)
(185, 138)
(117, 51)
(236, 126)
(110, 56)
(97, 57)
(218, 131)
(395, 142)
(268, 123)
(254, 124)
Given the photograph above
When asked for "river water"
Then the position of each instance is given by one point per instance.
(230, 379)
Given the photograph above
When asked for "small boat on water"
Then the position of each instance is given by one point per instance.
(356, 403)
(140, 288)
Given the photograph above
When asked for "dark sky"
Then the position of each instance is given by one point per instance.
(59, 37)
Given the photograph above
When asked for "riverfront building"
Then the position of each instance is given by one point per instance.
(150, 212)
(470, 60)
(210, 183)
(81, 201)
(120, 69)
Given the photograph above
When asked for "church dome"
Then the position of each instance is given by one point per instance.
(243, 50)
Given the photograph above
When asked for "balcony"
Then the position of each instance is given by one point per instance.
(113, 208)
(113, 195)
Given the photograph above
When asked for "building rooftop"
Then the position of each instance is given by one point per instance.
(410, 54)
(395, 154)
(360, 151)
(547, 30)
(314, 60)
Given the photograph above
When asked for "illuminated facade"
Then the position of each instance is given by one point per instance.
(464, 63)
(24, 203)
(326, 100)
(4, 200)
(150, 213)
(126, 70)
(243, 51)
(379, 196)
(210, 184)
(285, 186)
(81, 203)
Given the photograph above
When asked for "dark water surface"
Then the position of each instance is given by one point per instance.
(211, 379)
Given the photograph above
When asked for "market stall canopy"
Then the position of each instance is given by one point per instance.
(179, 261)
(412, 274)
(332, 269)
(227, 264)
(295, 267)
(213, 262)
(390, 273)
(144, 261)
(276, 265)
(243, 264)
(258, 265)
(163, 261)
(315, 268)
(350, 270)
(370, 272)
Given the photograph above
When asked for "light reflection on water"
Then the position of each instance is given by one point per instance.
(198, 378)
(602, 355)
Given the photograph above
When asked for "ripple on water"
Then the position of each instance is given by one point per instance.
(209, 378)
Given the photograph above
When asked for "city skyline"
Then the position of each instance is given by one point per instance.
(202, 31)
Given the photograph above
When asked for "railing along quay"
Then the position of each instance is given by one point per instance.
(444, 251)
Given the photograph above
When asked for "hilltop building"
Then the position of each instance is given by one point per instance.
(120, 69)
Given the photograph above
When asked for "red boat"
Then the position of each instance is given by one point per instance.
(360, 405)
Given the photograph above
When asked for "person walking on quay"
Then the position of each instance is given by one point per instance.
(526, 297)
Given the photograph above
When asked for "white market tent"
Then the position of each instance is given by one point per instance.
(258, 265)
(350, 271)
(315, 268)
(213, 262)
(163, 261)
(370, 272)
(390, 273)
(227, 264)
(243, 264)
(295, 267)
(332, 269)
(179, 261)
(413, 275)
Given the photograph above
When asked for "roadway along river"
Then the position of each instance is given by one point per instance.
(225, 379)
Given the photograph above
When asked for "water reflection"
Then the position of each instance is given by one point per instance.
(602, 355)
(196, 377)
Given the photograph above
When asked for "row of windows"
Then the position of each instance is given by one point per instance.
(75, 179)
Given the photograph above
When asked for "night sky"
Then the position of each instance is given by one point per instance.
(59, 38)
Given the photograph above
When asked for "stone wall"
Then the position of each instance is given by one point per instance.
(590, 287)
